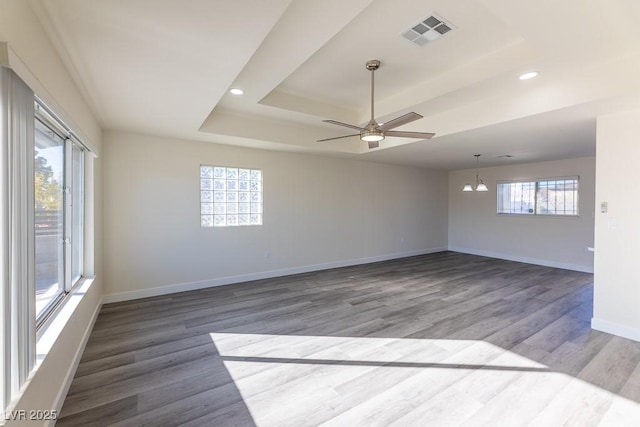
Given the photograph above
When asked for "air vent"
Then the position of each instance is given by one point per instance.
(428, 30)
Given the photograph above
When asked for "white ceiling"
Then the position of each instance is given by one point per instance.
(164, 67)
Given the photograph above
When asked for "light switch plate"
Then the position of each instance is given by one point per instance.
(603, 207)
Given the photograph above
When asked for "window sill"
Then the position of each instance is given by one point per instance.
(526, 215)
(48, 334)
(49, 331)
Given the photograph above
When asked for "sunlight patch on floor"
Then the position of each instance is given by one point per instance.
(297, 348)
(381, 381)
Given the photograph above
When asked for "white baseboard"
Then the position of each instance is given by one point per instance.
(537, 261)
(615, 329)
(190, 286)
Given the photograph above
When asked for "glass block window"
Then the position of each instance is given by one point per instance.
(230, 196)
(554, 196)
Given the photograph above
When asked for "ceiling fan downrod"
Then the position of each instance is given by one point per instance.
(372, 66)
(371, 133)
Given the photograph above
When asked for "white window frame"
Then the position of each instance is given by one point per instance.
(49, 119)
(534, 211)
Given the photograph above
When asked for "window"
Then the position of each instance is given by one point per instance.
(42, 165)
(554, 196)
(230, 196)
(58, 211)
(48, 215)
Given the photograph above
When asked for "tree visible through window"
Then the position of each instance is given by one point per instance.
(58, 178)
(49, 219)
(556, 196)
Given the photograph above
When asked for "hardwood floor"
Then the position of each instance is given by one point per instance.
(440, 339)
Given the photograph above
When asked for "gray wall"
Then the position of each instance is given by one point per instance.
(319, 212)
(475, 227)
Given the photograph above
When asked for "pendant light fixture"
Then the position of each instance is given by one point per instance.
(480, 186)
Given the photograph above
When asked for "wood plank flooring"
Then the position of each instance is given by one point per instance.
(433, 340)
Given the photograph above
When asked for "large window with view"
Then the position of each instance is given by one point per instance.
(549, 197)
(42, 164)
(58, 211)
(230, 196)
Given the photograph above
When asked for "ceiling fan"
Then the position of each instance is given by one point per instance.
(374, 132)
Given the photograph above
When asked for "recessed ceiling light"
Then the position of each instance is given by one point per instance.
(236, 91)
(529, 75)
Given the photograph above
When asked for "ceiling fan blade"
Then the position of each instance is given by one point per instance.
(373, 144)
(333, 122)
(338, 137)
(421, 135)
(399, 121)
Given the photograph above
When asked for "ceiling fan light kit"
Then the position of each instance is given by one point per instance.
(480, 185)
(375, 132)
(371, 135)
